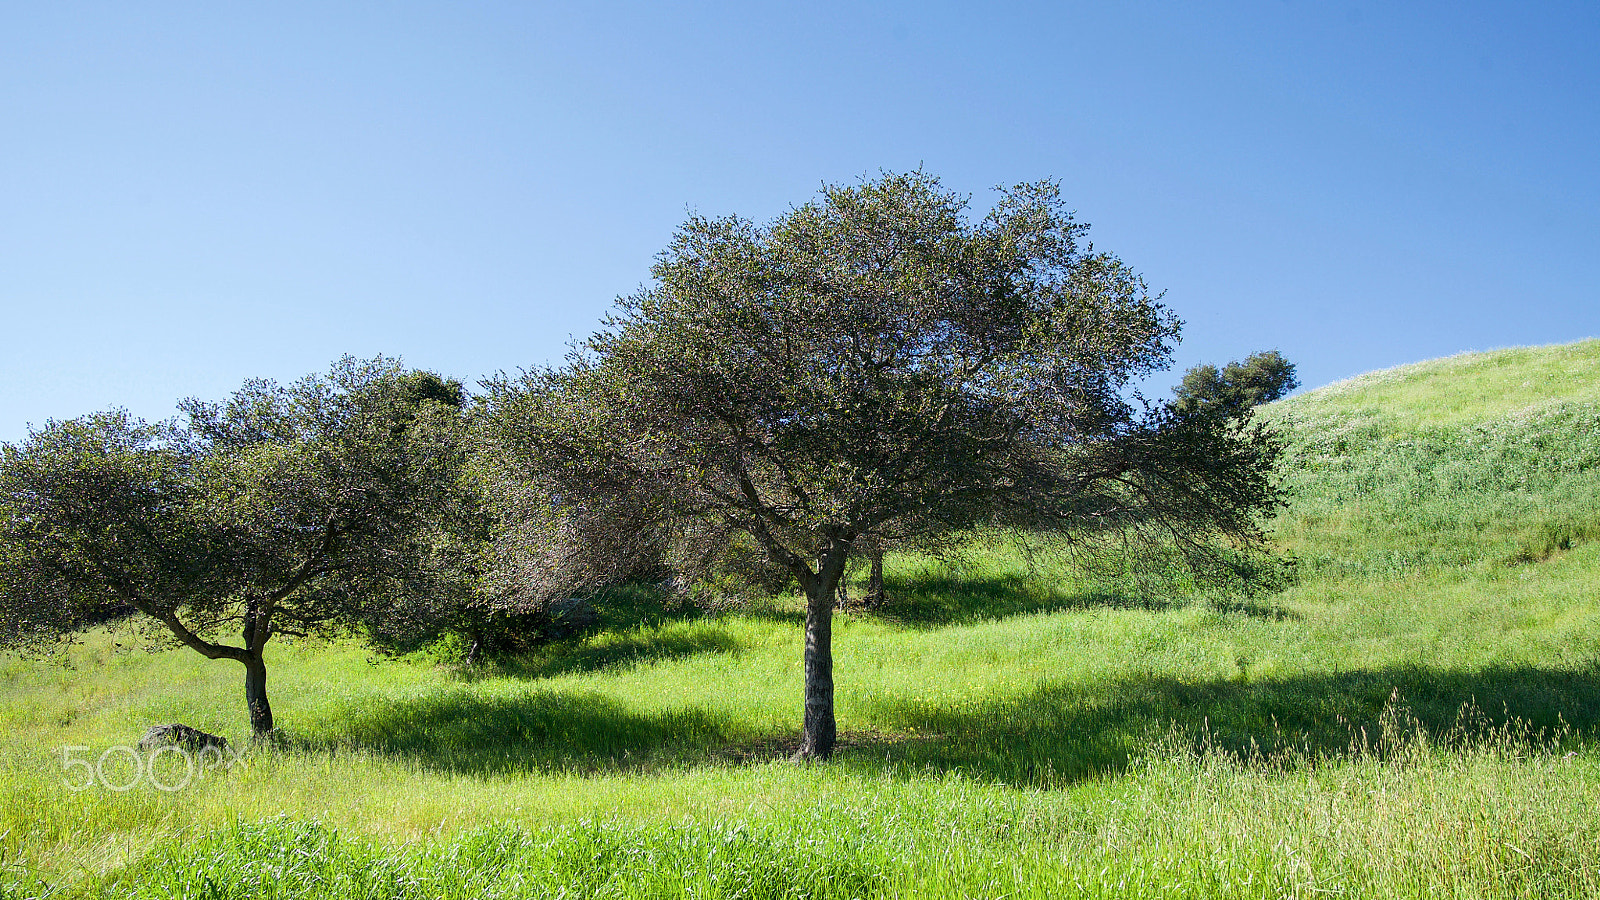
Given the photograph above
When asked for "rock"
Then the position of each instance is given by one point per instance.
(176, 735)
(570, 617)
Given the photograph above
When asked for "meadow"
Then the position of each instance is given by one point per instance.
(1416, 715)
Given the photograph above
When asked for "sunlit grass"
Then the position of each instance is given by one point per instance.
(1460, 389)
(1405, 815)
(1416, 716)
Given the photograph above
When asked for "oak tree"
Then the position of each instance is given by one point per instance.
(1262, 377)
(874, 366)
(282, 510)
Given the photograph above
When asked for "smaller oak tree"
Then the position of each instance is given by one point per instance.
(283, 510)
(1262, 378)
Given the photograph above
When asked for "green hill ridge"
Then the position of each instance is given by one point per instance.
(1479, 459)
(1467, 387)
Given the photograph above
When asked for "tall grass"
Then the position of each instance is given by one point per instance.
(1401, 815)
(1007, 729)
(1381, 490)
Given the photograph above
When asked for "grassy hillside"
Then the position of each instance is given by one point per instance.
(1419, 715)
(1478, 460)
(1463, 389)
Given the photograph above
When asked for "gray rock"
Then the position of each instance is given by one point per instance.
(176, 735)
(570, 617)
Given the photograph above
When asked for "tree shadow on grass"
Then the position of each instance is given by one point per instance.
(1059, 734)
(611, 650)
(941, 600)
(1051, 736)
(540, 731)
(784, 610)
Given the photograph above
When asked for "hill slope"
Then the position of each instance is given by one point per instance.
(1372, 731)
(1481, 459)
(1467, 387)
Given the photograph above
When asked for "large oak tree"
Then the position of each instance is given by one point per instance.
(874, 366)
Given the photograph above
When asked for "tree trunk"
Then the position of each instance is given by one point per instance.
(875, 580)
(821, 731)
(255, 694)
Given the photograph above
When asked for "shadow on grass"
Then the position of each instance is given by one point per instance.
(1054, 735)
(610, 650)
(640, 605)
(940, 600)
(541, 731)
(1058, 733)
(787, 609)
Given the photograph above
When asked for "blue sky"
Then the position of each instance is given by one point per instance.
(194, 194)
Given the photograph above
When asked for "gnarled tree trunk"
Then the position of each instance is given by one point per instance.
(821, 731)
(257, 631)
(875, 580)
(255, 694)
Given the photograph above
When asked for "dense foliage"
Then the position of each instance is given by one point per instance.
(871, 367)
(1262, 378)
(282, 510)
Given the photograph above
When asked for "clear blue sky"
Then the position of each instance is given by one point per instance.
(194, 194)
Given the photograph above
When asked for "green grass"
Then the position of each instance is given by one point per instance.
(1389, 473)
(1418, 715)
(1462, 389)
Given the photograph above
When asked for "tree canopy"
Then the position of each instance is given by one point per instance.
(1262, 377)
(282, 510)
(874, 365)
